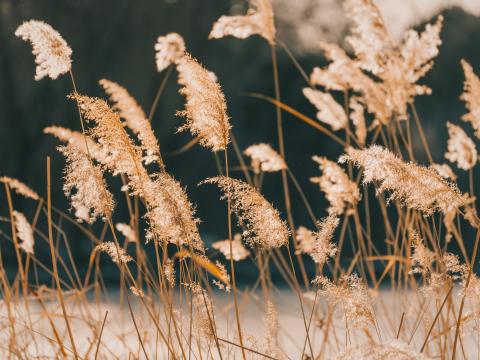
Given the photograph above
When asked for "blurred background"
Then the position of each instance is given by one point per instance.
(115, 39)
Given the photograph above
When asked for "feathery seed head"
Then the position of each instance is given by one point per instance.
(263, 224)
(422, 257)
(52, 53)
(264, 158)
(339, 190)
(19, 187)
(169, 49)
(352, 294)
(82, 142)
(116, 253)
(24, 232)
(461, 149)
(122, 156)
(445, 171)
(415, 186)
(259, 20)
(203, 312)
(392, 350)
(128, 108)
(329, 111)
(271, 321)
(369, 37)
(169, 270)
(137, 292)
(305, 239)
(205, 107)
(127, 231)
(318, 244)
(357, 115)
(85, 185)
(170, 214)
(471, 97)
(239, 252)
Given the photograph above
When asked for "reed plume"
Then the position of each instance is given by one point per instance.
(117, 254)
(445, 171)
(461, 149)
(85, 186)
(137, 292)
(271, 321)
(83, 143)
(357, 116)
(263, 225)
(19, 187)
(264, 158)
(259, 20)
(340, 191)
(318, 244)
(169, 49)
(205, 109)
(396, 67)
(127, 231)
(353, 297)
(135, 119)
(203, 312)
(391, 350)
(52, 53)
(24, 232)
(239, 252)
(169, 271)
(471, 96)
(329, 111)
(415, 186)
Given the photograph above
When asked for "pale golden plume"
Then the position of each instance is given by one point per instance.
(340, 191)
(52, 53)
(24, 232)
(116, 253)
(352, 296)
(127, 231)
(85, 185)
(169, 49)
(239, 252)
(461, 149)
(415, 186)
(259, 20)
(135, 118)
(445, 171)
(264, 158)
(471, 97)
(330, 111)
(82, 142)
(318, 244)
(264, 227)
(205, 107)
(19, 187)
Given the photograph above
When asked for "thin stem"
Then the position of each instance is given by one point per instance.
(232, 266)
(54, 260)
(469, 276)
(281, 145)
(159, 93)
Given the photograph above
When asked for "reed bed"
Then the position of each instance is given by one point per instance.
(178, 297)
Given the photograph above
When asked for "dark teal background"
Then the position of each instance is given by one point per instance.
(114, 40)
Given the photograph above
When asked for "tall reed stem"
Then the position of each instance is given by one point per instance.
(232, 266)
(281, 145)
(54, 260)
